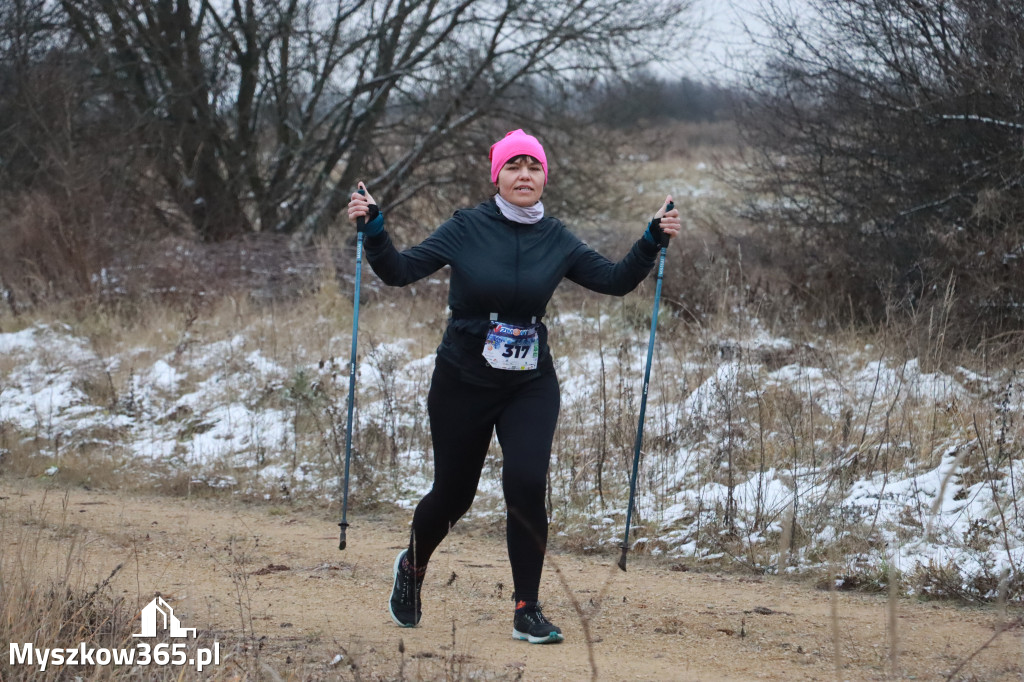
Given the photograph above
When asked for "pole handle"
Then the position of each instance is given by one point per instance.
(664, 237)
(361, 220)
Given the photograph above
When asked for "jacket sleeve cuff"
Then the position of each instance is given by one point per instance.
(648, 247)
(649, 236)
(374, 227)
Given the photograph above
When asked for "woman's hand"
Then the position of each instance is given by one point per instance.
(669, 220)
(359, 205)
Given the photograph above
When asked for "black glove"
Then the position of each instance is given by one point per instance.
(654, 233)
(373, 224)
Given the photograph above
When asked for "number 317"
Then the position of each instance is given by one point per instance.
(515, 351)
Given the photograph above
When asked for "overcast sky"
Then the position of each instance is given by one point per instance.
(723, 41)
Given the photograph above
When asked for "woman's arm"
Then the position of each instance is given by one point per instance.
(397, 268)
(593, 271)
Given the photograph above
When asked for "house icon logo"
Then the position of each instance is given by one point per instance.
(159, 614)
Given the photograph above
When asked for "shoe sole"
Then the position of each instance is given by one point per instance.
(394, 584)
(552, 638)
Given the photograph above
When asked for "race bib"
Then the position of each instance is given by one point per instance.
(511, 347)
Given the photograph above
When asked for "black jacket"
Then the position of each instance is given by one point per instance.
(504, 267)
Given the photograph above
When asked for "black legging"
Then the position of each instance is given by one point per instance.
(463, 417)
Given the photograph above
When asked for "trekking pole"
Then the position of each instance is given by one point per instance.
(643, 399)
(360, 222)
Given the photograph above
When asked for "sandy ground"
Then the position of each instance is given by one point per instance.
(274, 575)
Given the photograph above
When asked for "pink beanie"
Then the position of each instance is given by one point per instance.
(516, 143)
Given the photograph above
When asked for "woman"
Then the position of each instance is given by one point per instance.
(494, 371)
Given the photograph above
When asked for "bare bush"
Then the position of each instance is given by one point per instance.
(57, 251)
(886, 140)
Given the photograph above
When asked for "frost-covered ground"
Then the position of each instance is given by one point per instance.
(855, 460)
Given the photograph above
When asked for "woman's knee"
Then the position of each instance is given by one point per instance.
(454, 504)
(524, 492)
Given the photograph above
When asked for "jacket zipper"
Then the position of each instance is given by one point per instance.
(515, 290)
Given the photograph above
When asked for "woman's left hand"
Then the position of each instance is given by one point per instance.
(669, 220)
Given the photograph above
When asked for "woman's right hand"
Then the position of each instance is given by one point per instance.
(669, 218)
(359, 205)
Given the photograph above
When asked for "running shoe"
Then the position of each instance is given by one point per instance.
(405, 606)
(530, 625)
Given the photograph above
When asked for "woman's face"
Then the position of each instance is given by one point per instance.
(521, 181)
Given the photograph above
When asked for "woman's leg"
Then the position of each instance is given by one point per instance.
(461, 425)
(526, 427)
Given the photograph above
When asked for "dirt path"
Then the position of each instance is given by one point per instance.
(277, 573)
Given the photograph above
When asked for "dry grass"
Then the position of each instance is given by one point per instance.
(46, 600)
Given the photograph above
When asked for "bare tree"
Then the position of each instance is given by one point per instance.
(33, 87)
(263, 114)
(888, 135)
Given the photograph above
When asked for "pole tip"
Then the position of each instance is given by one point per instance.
(342, 543)
(622, 558)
